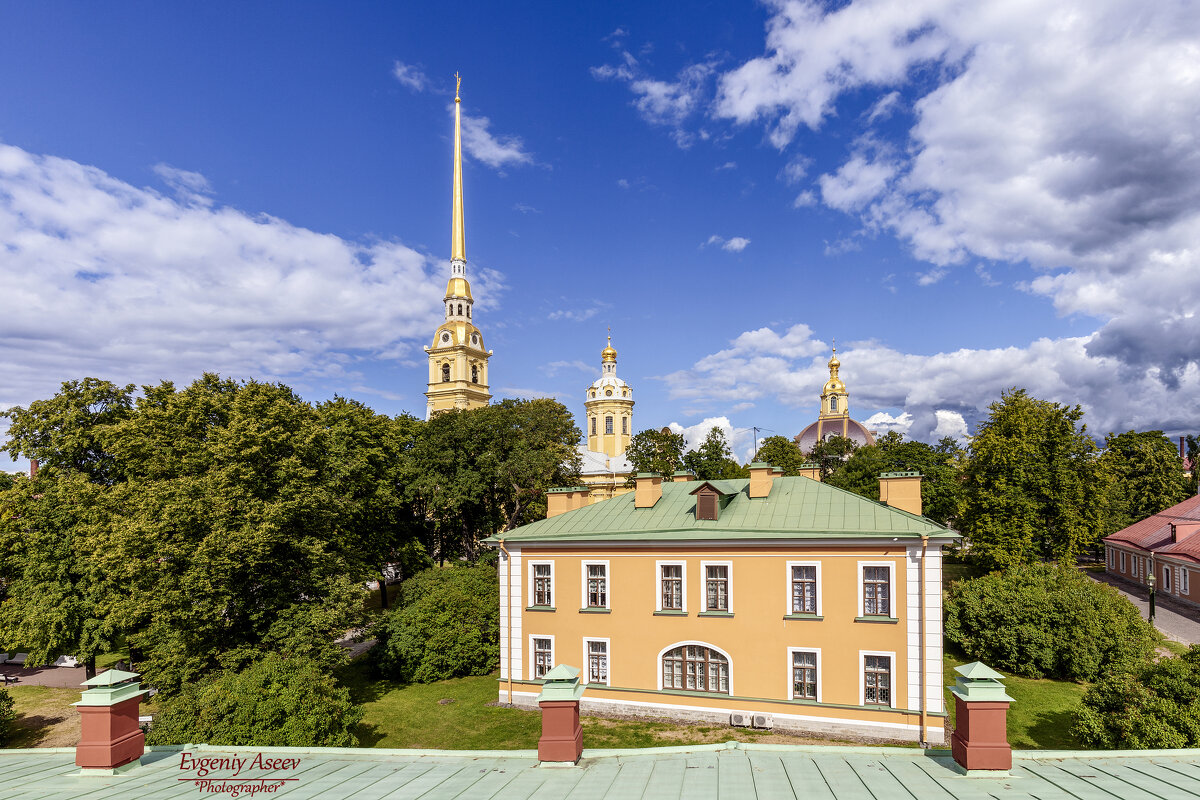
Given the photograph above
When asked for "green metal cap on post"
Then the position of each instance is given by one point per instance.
(561, 683)
(979, 683)
(110, 687)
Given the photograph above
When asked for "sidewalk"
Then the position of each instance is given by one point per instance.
(61, 677)
(1173, 619)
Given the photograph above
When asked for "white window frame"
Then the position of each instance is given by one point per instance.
(658, 565)
(862, 678)
(1137, 562)
(1166, 577)
(790, 688)
(787, 600)
(532, 651)
(893, 601)
(1183, 581)
(586, 659)
(704, 565)
(533, 588)
(583, 583)
(659, 664)
(1122, 560)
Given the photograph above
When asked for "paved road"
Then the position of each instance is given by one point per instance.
(1172, 618)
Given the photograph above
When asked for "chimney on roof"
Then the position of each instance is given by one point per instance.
(1184, 530)
(648, 489)
(683, 476)
(810, 470)
(901, 490)
(762, 475)
(565, 498)
(33, 467)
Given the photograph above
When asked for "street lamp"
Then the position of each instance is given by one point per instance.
(1150, 583)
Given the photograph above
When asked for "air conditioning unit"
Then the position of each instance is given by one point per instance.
(739, 719)
(763, 721)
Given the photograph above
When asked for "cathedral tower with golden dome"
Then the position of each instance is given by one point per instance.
(458, 361)
(609, 408)
(834, 418)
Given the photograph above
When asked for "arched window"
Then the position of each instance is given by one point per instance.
(593, 426)
(445, 373)
(474, 374)
(624, 424)
(695, 668)
(468, 312)
(460, 309)
(833, 403)
(608, 424)
(450, 308)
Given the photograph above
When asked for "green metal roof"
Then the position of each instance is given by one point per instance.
(728, 771)
(796, 508)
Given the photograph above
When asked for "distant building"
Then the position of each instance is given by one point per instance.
(1166, 545)
(458, 360)
(777, 596)
(608, 423)
(834, 418)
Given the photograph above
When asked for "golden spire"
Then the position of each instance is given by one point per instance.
(609, 353)
(458, 238)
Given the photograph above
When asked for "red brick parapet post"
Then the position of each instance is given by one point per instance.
(562, 735)
(980, 739)
(110, 738)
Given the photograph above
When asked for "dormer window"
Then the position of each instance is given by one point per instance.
(706, 505)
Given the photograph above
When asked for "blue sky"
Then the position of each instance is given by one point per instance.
(968, 196)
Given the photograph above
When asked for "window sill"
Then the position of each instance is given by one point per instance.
(540, 608)
(670, 613)
(595, 611)
(804, 617)
(880, 619)
(716, 614)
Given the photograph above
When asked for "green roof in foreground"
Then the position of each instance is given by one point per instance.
(728, 771)
(796, 508)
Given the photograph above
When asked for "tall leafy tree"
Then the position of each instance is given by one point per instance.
(712, 460)
(781, 452)
(1033, 486)
(831, 453)
(1147, 475)
(940, 485)
(655, 451)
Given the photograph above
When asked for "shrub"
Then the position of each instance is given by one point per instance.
(273, 702)
(1044, 621)
(446, 626)
(8, 717)
(1156, 707)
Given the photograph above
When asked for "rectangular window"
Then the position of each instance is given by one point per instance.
(804, 675)
(608, 425)
(1166, 578)
(543, 656)
(1122, 562)
(877, 680)
(597, 586)
(624, 424)
(543, 585)
(804, 589)
(593, 426)
(1183, 581)
(672, 587)
(716, 588)
(597, 661)
(876, 585)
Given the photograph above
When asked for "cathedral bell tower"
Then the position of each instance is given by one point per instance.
(458, 361)
(609, 407)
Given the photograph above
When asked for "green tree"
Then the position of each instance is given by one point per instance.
(1147, 475)
(832, 453)
(781, 452)
(712, 460)
(1047, 621)
(940, 484)
(1033, 487)
(1192, 487)
(1154, 706)
(655, 451)
(8, 717)
(273, 702)
(446, 626)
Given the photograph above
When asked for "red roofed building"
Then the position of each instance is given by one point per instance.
(1168, 544)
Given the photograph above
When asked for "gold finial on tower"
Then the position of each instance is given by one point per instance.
(458, 238)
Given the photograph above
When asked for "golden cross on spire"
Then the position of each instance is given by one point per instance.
(835, 345)
(457, 87)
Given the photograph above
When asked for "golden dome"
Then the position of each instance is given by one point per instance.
(609, 353)
(458, 287)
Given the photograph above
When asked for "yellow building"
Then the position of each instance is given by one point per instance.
(834, 418)
(458, 360)
(775, 601)
(608, 427)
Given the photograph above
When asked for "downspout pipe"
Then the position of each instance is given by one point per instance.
(921, 629)
(508, 616)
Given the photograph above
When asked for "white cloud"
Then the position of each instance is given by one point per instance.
(494, 150)
(804, 200)
(666, 103)
(554, 367)
(740, 440)
(191, 188)
(939, 394)
(735, 244)
(411, 76)
(525, 208)
(105, 279)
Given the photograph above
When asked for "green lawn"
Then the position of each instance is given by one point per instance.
(415, 716)
(1042, 712)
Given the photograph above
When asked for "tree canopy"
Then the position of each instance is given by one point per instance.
(712, 460)
(1147, 475)
(940, 487)
(1033, 486)
(655, 451)
(781, 452)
